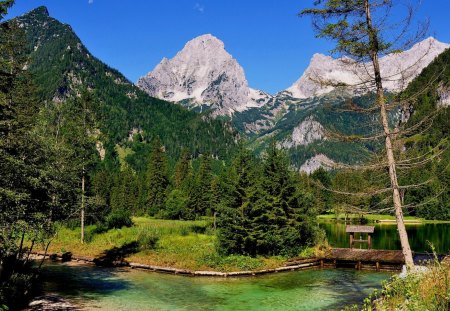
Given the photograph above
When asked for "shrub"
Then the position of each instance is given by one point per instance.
(118, 219)
(199, 229)
(147, 240)
(176, 207)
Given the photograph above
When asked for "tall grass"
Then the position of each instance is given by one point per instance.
(427, 289)
(174, 243)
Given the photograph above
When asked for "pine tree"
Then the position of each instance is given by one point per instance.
(182, 169)
(284, 217)
(157, 179)
(124, 194)
(239, 192)
(326, 197)
(201, 196)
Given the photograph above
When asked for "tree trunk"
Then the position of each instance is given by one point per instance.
(406, 249)
(29, 252)
(82, 206)
(45, 255)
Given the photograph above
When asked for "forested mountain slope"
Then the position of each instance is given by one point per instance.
(63, 67)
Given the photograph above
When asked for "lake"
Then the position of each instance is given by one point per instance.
(386, 236)
(96, 288)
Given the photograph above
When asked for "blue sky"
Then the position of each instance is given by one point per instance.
(267, 38)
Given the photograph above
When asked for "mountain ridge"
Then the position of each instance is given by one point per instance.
(61, 65)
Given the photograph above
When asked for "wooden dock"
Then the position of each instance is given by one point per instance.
(367, 259)
(361, 259)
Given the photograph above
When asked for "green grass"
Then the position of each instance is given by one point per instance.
(123, 152)
(423, 290)
(181, 244)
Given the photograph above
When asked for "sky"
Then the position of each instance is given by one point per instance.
(268, 39)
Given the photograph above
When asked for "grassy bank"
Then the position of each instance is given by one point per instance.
(423, 290)
(172, 243)
(377, 218)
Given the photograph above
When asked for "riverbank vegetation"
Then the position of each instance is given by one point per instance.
(426, 289)
(169, 243)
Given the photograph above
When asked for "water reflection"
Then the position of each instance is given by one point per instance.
(386, 236)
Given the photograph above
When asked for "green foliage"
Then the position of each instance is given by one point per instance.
(157, 179)
(421, 290)
(176, 206)
(147, 240)
(263, 212)
(119, 218)
(201, 193)
(182, 169)
(28, 180)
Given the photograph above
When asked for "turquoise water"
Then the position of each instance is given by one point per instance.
(386, 236)
(97, 288)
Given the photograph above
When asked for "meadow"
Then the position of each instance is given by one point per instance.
(170, 243)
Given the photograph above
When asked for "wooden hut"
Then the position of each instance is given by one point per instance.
(361, 230)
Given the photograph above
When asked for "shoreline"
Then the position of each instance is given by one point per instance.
(302, 265)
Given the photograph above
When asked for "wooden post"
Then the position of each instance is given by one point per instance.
(378, 266)
(321, 263)
(351, 240)
(369, 241)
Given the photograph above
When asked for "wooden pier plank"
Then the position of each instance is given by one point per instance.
(366, 255)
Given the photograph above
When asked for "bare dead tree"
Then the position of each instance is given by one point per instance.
(364, 32)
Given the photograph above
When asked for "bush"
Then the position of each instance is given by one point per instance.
(118, 219)
(176, 207)
(18, 287)
(199, 229)
(147, 240)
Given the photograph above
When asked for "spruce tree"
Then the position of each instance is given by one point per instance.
(157, 179)
(201, 195)
(239, 188)
(182, 169)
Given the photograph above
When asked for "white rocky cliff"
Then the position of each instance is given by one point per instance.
(313, 164)
(203, 73)
(305, 133)
(324, 73)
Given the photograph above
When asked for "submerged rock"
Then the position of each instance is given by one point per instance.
(51, 302)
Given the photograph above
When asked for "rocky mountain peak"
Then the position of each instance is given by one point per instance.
(205, 42)
(397, 69)
(41, 10)
(202, 74)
